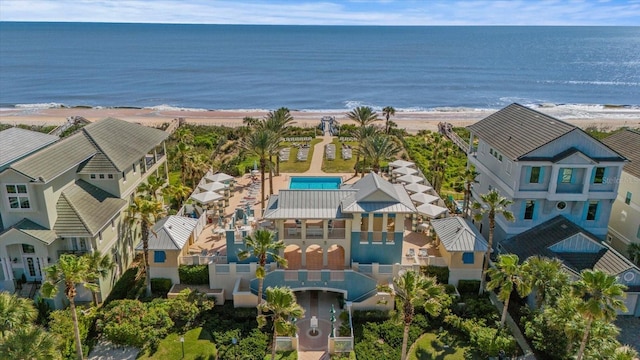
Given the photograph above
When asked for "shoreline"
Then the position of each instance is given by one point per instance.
(412, 121)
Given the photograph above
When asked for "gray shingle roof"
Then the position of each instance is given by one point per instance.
(458, 234)
(122, 142)
(98, 164)
(627, 143)
(83, 210)
(34, 230)
(517, 130)
(539, 239)
(16, 143)
(171, 233)
(57, 158)
(306, 204)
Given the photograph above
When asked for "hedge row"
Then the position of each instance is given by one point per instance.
(194, 274)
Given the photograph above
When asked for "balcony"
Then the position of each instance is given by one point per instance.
(72, 252)
(563, 188)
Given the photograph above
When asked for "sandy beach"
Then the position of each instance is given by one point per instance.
(582, 116)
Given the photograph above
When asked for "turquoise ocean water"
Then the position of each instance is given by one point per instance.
(315, 67)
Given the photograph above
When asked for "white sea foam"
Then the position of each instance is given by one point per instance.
(41, 106)
(165, 107)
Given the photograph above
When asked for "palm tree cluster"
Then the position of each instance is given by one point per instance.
(375, 144)
(283, 309)
(264, 142)
(20, 338)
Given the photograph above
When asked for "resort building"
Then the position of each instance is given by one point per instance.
(624, 223)
(547, 167)
(71, 197)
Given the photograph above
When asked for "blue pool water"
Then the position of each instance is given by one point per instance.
(314, 183)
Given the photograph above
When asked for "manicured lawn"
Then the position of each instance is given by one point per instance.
(294, 166)
(197, 345)
(428, 346)
(339, 165)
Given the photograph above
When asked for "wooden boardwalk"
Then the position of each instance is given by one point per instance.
(446, 129)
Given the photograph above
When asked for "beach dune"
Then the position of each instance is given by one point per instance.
(598, 116)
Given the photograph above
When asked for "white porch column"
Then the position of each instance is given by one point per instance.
(553, 179)
(325, 256)
(587, 179)
(7, 268)
(325, 229)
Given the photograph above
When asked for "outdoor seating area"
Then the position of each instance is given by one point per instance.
(284, 154)
(346, 138)
(303, 152)
(346, 151)
(298, 138)
(330, 151)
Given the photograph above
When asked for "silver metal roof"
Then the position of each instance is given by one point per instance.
(458, 234)
(32, 229)
(16, 143)
(171, 233)
(306, 204)
(404, 171)
(411, 179)
(401, 163)
(431, 210)
(423, 198)
(418, 188)
(221, 177)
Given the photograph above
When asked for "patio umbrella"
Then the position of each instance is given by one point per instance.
(255, 165)
(206, 197)
(404, 171)
(423, 198)
(401, 163)
(411, 179)
(418, 188)
(431, 210)
(212, 186)
(220, 177)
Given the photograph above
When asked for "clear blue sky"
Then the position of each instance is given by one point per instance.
(329, 12)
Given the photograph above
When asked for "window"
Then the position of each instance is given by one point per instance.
(124, 177)
(159, 256)
(627, 199)
(592, 210)
(566, 174)
(529, 208)
(598, 178)
(93, 176)
(134, 168)
(495, 154)
(100, 236)
(534, 178)
(113, 224)
(101, 176)
(561, 205)
(18, 196)
(499, 157)
(28, 249)
(467, 258)
(110, 176)
(491, 151)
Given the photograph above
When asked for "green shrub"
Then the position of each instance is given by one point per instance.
(470, 287)
(133, 323)
(61, 325)
(450, 289)
(194, 274)
(161, 285)
(441, 273)
(488, 341)
(370, 315)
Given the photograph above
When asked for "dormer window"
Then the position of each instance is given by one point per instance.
(17, 196)
(567, 174)
(598, 178)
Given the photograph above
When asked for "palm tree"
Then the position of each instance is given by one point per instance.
(508, 275)
(181, 153)
(260, 143)
(361, 134)
(180, 192)
(281, 303)
(71, 271)
(100, 266)
(250, 122)
(495, 204)
(377, 148)
(145, 212)
(469, 178)
(601, 296)
(15, 312)
(441, 147)
(363, 116)
(262, 245)
(30, 343)
(625, 353)
(278, 121)
(152, 186)
(548, 280)
(388, 111)
(412, 288)
(634, 253)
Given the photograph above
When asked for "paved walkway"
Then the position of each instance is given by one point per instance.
(318, 154)
(313, 346)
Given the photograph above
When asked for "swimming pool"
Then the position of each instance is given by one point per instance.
(315, 183)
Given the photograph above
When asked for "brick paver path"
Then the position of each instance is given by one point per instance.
(318, 154)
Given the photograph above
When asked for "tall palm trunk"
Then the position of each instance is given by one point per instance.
(585, 337)
(504, 312)
(278, 165)
(467, 201)
(270, 176)
(405, 341)
(262, 170)
(487, 256)
(357, 162)
(145, 247)
(273, 346)
(71, 294)
(262, 262)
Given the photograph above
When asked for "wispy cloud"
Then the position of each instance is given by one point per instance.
(330, 12)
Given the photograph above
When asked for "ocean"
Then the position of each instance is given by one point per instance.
(330, 68)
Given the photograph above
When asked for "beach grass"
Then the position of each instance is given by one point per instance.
(197, 345)
(340, 165)
(294, 166)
